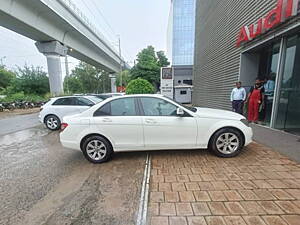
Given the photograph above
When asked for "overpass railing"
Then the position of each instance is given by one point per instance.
(83, 19)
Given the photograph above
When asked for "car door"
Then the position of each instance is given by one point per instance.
(82, 104)
(64, 106)
(163, 129)
(119, 120)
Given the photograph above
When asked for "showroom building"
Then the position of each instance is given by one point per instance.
(241, 40)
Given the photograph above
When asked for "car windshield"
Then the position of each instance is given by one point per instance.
(117, 94)
(103, 96)
(190, 108)
(95, 99)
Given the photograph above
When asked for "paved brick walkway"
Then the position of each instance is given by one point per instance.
(259, 187)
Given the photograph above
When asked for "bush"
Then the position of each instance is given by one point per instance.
(6, 77)
(139, 86)
(20, 96)
(31, 80)
(15, 97)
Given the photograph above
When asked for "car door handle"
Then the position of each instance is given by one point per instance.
(150, 121)
(106, 120)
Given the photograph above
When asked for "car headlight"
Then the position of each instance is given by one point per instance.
(244, 121)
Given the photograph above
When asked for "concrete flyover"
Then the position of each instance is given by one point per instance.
(59, 28)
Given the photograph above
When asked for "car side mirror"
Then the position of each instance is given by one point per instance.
(180, 112)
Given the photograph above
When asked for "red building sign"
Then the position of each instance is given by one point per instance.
(284, 10)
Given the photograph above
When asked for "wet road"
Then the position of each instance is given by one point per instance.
(17, 123)
(42, 183)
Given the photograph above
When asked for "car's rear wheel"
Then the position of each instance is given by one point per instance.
(227, 142)
(97, 149)
(52, 122)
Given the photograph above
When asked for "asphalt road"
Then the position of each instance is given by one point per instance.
(17, 123)
(43, 183)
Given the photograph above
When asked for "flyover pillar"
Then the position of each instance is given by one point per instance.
(53, 50)
(113, 82)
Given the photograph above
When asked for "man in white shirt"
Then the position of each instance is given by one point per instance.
(238, 96)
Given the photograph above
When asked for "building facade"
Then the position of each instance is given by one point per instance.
(181, 36)
(242, 40)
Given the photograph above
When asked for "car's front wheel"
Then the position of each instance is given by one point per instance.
(227, 142)
(97, 149)
(52, 122)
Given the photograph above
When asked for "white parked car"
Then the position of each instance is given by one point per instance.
(152, 122)
(53, 111)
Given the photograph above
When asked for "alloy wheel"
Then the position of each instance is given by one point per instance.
(227, 143)
(52, 123)
(96, 150)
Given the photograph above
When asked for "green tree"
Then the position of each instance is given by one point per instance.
(86, 78)
(31, 80)
(126, 77)
(6, 77)
(162, 59)
(72, 85)
(139, 86)
(148, 65)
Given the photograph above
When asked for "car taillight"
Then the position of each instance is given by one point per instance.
(63, 126)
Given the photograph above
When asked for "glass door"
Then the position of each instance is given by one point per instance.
(269, 58)
(288, 114)
(269, 84)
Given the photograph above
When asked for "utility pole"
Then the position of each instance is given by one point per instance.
(1, 59)
(67, 71)
(120, 53)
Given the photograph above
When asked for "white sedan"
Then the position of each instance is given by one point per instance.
(153, 122)
(53, 111)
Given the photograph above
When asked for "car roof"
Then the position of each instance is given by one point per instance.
(144, 95)
(71, 96)
(137, 95)
(118, 93)
(120, 96)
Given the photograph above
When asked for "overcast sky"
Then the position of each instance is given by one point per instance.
(138, 22)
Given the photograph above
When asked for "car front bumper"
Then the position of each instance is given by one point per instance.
(248, 132)
(40, 118)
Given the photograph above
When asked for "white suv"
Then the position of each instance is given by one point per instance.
(53, 111)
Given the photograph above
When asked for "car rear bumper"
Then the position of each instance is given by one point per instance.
(70, 145)
(69, 142)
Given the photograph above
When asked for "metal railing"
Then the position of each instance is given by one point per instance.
(83, 19)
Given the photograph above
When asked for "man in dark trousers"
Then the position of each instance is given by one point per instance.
(238, 96)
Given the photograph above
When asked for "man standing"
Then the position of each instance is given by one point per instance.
(238, 96)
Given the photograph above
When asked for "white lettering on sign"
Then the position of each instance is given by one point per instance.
(166, 82)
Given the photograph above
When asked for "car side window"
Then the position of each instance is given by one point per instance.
(83, 101)
(64, 101)
(118, 107)
(123, 107)
(158, 107)
(104, 110)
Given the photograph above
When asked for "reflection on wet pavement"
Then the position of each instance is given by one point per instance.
(43, 183)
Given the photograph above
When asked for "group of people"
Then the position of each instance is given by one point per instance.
(258, 99)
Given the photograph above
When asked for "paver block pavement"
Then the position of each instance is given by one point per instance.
(258, 187)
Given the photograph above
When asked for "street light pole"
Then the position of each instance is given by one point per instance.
(121, 81)
(67, 72)
(1, 59)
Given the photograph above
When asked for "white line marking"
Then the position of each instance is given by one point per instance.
(143, 206)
